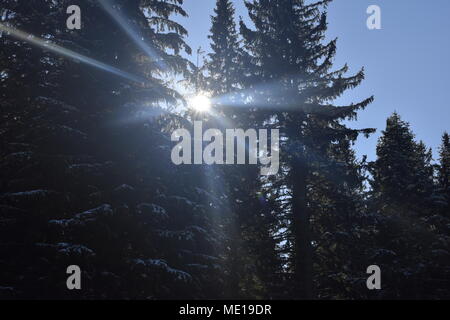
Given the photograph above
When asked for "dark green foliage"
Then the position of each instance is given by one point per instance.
(411, 241)
(250, 257)
(444, 174)
(293, 85)
(403, 174)
(86, 176)
(223, 66)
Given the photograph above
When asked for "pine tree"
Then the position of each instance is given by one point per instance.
(291, 85)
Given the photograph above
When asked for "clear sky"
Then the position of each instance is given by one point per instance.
(407, 63)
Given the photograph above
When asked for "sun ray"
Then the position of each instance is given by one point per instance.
(132, 32)
(50, 46)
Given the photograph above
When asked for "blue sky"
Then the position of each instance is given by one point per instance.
(407, 63)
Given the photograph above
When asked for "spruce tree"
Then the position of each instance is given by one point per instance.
(402, 173)
(409, 241)
(86, 171)
(342, 229)
(249, 255)
(444, 172)
(223, 63)
(292, 86)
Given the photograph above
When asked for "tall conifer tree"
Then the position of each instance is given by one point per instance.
(82, 177)
(410, 236)
(292, 85)
(250, 256)
(402, 173)
(223, 64)
(444, 171)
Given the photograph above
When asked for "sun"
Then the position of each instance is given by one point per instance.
(200, 103)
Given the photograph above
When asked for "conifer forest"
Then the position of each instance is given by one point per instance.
(135, 166)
